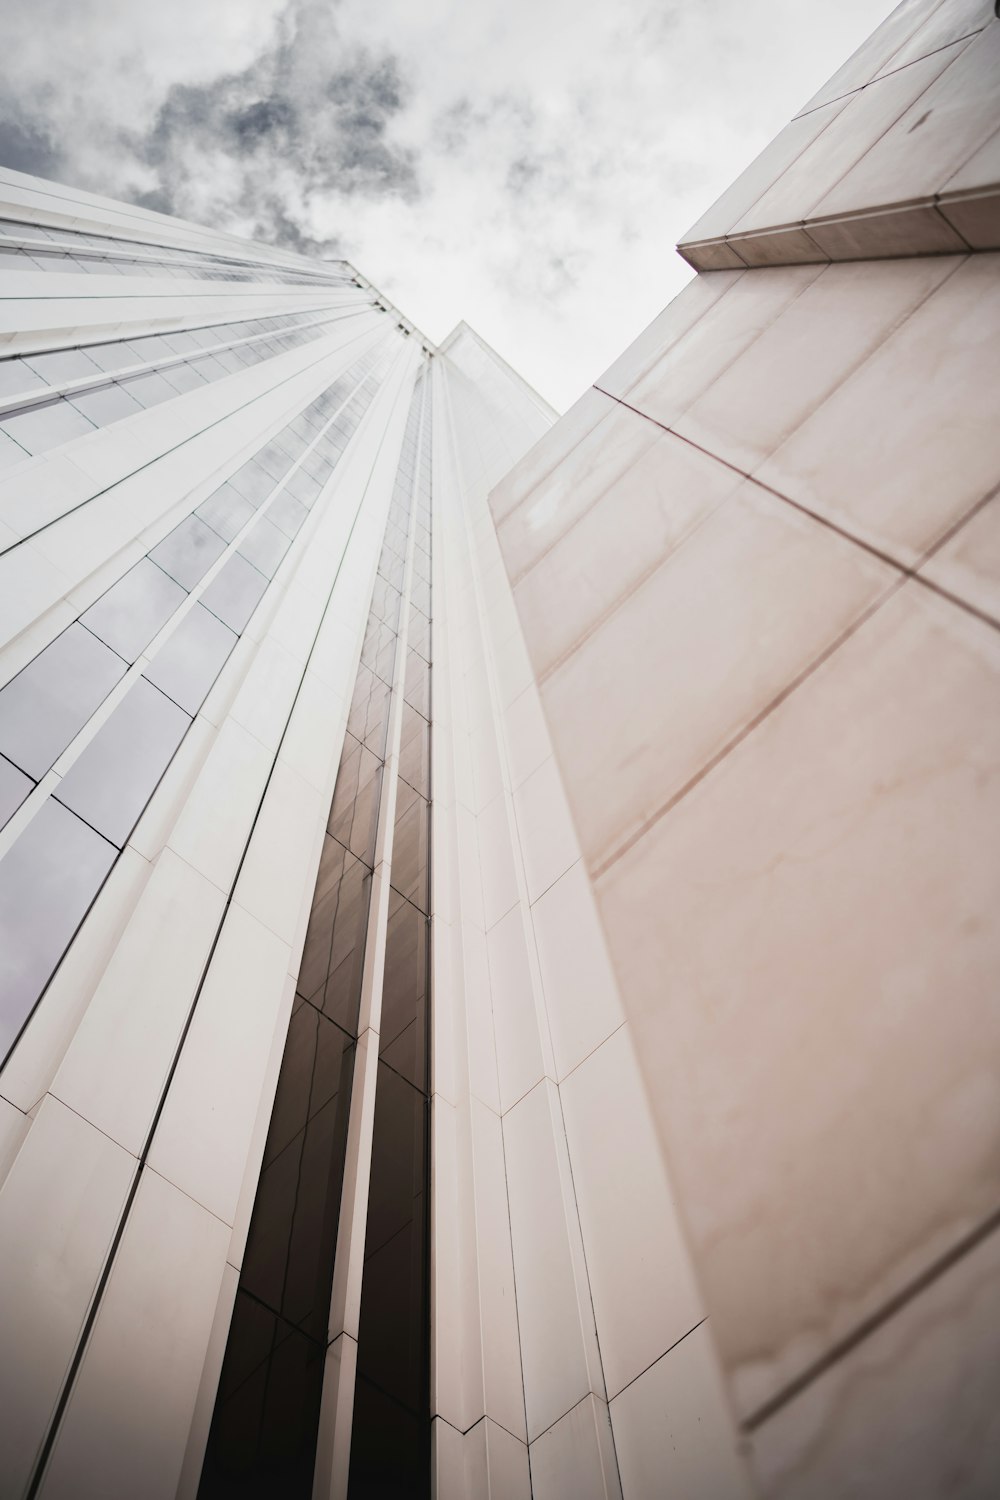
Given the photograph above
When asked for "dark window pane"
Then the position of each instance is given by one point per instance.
(402, 1034)
(333, 957)
(263, 1438)
(187, 552)
(409, 845)
(354, 814)
(417, 684)
(14, 787)
(50, 700)
(390, 1453)
(117, 773)
(234, 593)
(369, 716)
(128, 616)
(188, 663)
(392, 1330)
(415, 751)
(379, 649)
(48, 879)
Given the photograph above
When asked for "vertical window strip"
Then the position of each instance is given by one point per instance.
(265, 1425)
(390, 1438)
(44, 894)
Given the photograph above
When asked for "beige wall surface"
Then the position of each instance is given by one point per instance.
(757, 572)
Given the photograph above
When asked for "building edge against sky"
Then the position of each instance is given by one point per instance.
(658, 757)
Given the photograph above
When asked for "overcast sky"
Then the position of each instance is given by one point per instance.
(528, 165)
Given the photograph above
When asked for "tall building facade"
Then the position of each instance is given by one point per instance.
(499, 953)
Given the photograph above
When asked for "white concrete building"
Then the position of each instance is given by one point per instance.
(499, 943)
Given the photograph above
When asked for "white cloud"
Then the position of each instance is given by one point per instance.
(525, 164)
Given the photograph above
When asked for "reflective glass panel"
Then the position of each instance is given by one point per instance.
(48, 879)
(50, 700)
(148, 390)
(109, 403)
(39, 428)
(264, 546)
(128, 616)
(354, 814)
(17, 378)
(116, 775)
(402, 1035)
(188, 663)
(187, 552)
(234, 593)
(225, 511)
(60, 366)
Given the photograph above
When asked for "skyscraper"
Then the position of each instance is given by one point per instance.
(499, 942)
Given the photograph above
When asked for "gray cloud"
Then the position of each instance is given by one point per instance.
(310, 116)
(28, 148)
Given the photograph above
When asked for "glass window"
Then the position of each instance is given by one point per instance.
(15, 260)
(181, 342)
(134, 609)
(110, 356)
(264, 546)
(228, 360)
(48, 879)
(392, 1330)
(273, 460)
(149, 389)
(417, 684)
(415, 751)
(188, 663)
(60, 366)
(409, 845)
(182, 377)
(234, 593)
(333, 956)
(225, 511)
(253, 482)
(208, 366)
(109, 403)
(17, 378)
(188, 551)
(354, 813)
(303, 487)
(14, 787)
(287, 514)
(116, 775)
(10, 452)
(50, 700)
(419, 634)
(150, 347)
(369, 715)
(39, 428)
